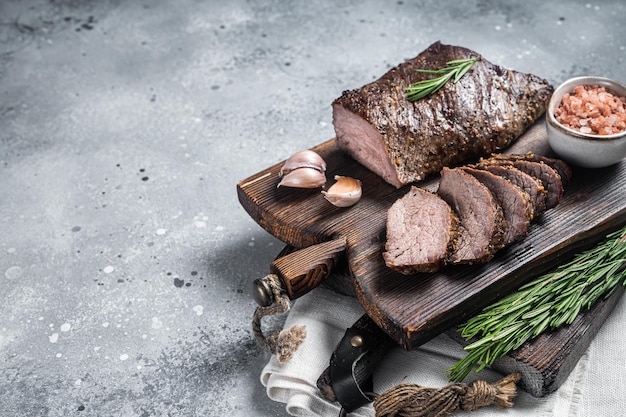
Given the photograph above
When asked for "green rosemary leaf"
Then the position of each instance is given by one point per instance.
(439, 71)
(553, 300)
(464, 68)
(506, 332)
(481, 367)
(454, 70)
(540, 327)
(536, 312)
(478, 343)
(461, 61)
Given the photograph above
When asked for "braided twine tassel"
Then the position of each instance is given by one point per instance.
(284, 343)
(408, 400)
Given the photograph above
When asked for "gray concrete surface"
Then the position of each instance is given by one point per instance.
(125, 258)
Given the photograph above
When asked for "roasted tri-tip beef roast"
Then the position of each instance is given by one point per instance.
(404, 141)
(492, 204)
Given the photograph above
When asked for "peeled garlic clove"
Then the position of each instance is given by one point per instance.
(303, 178)
(345, 192)
(303, 159)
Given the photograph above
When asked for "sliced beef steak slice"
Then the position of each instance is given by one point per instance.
(481, 221)
(403, 141)
(421, 231)
(531, 185)
(516, 204)
(564, 170)
(549, 177)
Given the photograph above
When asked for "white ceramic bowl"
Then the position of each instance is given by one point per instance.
(585, 150)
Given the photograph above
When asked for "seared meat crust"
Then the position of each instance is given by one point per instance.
(405, 141)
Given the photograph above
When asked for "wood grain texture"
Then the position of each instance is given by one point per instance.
(546, 361)
(413, 309)
(305, 269)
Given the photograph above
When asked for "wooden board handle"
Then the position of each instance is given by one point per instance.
(305, 269)
(302, 270)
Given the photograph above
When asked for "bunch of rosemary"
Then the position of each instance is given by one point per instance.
(453, 70)
(549, 302)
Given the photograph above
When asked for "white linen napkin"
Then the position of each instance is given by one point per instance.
(595, 387)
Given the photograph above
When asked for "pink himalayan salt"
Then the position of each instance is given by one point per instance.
(592, 110)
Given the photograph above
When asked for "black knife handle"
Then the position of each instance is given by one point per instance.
(353, 362)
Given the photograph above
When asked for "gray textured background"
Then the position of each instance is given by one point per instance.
(125, 258)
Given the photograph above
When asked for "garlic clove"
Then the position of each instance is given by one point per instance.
(345, 192)
(303, 178)
(303, 159)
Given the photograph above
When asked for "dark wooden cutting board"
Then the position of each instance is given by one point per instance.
(413, 309)
(544, 362)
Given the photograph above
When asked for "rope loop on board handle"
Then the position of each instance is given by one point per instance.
(286, 342)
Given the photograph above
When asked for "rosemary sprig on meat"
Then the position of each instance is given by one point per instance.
(549, 302)
(453, 70)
